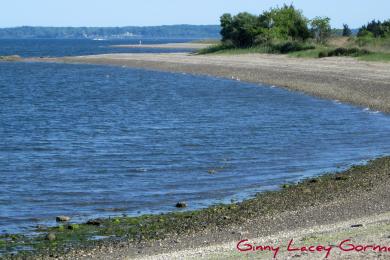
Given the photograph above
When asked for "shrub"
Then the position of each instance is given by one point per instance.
(293, 46)
(354, 52)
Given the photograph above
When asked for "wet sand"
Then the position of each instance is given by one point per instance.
(348, 80)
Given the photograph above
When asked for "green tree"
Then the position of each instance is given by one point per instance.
(346, 31)
(240, 30)
(226, 27)
(320, 27)
(245, 29)
(376, 28)
(286, 23)
(278, 24)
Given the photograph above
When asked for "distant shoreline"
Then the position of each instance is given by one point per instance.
(348, 80)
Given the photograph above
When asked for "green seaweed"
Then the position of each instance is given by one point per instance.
(322, 189)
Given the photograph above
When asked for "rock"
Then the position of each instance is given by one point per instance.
(181, 204)
(95, 222)
(73, 226)
(62, 218)
(51, 237)
(356, 225)
(341, 177)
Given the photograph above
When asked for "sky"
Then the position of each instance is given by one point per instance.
(158, 12)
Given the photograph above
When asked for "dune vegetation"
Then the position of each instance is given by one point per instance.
(285, 30)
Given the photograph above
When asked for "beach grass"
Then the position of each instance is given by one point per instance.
(382, 57)
(338, 46)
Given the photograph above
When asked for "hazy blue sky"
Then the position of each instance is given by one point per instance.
(157, 12)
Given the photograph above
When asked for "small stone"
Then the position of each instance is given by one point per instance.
(181, 204)
(62, 218)
(73, 226)
(341, 178)
(95, 222)
(51, 237)
(356, 225)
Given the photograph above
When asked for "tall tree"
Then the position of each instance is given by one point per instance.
(320, 27)
(346, 31)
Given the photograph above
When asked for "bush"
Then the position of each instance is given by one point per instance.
(292, 46)
(354, 52)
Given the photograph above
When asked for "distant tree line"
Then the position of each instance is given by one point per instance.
(375, 29)
(167, 31)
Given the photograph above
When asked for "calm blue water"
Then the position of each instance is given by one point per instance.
(90, 141)
(59, 48)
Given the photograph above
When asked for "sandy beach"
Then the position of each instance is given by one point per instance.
(355, 204)
(348, 80)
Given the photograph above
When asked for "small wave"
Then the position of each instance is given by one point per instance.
(371, 111)
(272, 86)
(139, 170)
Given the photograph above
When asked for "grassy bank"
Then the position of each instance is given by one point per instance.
(369, 50)
(59, 240)
(275, 48)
